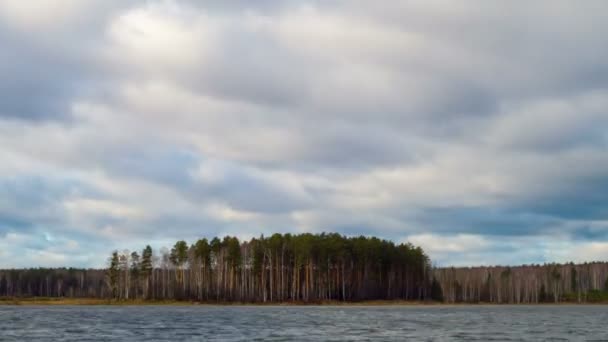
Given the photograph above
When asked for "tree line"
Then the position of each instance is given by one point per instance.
(304, 267)
(531, 284)
(53, 282)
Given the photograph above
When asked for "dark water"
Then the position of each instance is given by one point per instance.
(280, 323)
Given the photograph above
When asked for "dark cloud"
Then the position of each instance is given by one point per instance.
(35, 84)
(159, 165)
(45, 68)
(32, 201)
(486, 220)
(578, 199)
(243, 190)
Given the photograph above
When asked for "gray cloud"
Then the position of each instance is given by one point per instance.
(48, 61)
(465, 124)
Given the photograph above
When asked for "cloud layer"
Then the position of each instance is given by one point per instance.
(477, 130)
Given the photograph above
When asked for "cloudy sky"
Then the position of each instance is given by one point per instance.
(476, 129)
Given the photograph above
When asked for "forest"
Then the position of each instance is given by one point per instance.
(307, 268)
(279, 268)
(528, 284)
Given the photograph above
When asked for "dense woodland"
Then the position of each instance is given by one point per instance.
(306, 268)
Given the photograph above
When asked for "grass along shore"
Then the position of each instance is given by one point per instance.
(37, 301)
(98, 301)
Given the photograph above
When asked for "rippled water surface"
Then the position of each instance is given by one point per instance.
(309, 323)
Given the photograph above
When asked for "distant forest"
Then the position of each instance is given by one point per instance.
(582, 283)
(306, 268)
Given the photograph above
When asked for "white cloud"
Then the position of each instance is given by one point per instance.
(42, 15)
(460, 243)
(87, 206)
(161, 37)
(225, 213)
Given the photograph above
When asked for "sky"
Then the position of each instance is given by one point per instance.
(475, 129)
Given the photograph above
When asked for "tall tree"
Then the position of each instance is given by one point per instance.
(135, 270)
(202, 258)
(146, 269)
(179, 257)
(113, 274)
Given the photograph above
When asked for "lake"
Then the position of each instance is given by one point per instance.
(304, 323)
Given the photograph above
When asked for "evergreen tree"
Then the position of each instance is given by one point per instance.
(146, 261)
(146, 269)
(135, 270)
(543, 294)
(179, 254)
(436, 291)
(573, 280)
(179, 257)
(113, 274)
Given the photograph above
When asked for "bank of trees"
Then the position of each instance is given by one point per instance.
(547, 283)
(278, 268)
(306, 268)
(58, 282)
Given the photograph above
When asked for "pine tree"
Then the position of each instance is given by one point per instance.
(113, 274)
(146, 269)
(202, 255)
(436, 291)
(135, 270)
(179, 257)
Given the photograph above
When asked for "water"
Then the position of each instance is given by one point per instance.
(309, 323)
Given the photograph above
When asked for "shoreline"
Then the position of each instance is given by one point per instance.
(44, 301)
